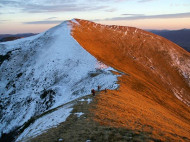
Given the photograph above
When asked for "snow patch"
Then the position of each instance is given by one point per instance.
(79, 114)
(74, 21)
(45, 122)
(89, 100)
(60, 140)
(180, 97)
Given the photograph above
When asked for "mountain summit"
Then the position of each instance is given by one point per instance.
(45, 71)
(147, 77)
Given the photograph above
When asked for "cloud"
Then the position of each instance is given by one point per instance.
(186, 5)
(44, 6)
(7, 13)
(50, 18)
(108, 0)
(60, 8)
(111, 10)
(47, 6)
(133, 14)
(2, 21)
(139, 17)
(180, 5)
(44, 22)
(11, 3)
(145, 0)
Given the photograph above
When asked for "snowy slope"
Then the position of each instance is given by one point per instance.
(45, 122)
(45, 71)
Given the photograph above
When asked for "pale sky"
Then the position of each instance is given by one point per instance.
(23, 16)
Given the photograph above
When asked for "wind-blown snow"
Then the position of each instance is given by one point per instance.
(43, 72)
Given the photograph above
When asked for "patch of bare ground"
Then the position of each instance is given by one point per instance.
(83, 128)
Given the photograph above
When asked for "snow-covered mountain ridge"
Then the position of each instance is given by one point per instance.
(45, 71)
(42, 75)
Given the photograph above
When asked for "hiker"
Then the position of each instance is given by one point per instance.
(98, 88)
(93, 92)
(105, 90)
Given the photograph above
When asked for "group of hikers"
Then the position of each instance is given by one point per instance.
(94, 92)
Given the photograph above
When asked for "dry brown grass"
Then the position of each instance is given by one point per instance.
(135, 108)
(76, 129)
(144, 102)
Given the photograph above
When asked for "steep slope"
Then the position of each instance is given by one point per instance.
(154, 97)
(42, 72)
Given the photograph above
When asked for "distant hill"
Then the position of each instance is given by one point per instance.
(10, 37)
(180, 37)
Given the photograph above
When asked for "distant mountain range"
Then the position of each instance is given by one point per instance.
(10, 37)
(180, 37)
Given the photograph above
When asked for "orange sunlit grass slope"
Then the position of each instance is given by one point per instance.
(153, 96)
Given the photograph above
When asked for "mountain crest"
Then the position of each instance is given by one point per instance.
(144, 79)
